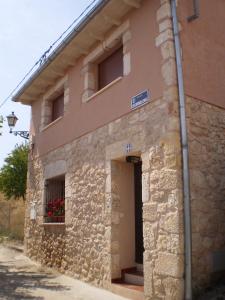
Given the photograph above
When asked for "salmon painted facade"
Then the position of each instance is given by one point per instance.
(116, 195)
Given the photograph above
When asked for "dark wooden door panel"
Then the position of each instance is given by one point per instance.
(139, 246)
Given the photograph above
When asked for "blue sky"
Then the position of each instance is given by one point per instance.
(27, 29)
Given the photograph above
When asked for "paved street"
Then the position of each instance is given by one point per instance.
(20, 278)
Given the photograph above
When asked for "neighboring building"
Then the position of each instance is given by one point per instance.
(101, 160)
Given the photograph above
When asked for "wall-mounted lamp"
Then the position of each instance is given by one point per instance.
(12, 119)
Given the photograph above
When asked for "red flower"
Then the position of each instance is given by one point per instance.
(56, 207)
(49, 213)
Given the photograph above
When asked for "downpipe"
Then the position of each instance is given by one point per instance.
(185, 158)
(196, 11)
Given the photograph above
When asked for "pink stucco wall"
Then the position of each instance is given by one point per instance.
(203, 44)
(204, 72)
(115, 101)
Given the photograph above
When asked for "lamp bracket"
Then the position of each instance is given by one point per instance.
(23, 134)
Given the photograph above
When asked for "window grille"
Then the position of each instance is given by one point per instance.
(55, 200)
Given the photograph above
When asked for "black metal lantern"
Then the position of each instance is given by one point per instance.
(12, 119)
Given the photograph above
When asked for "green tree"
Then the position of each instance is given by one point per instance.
(13, 174)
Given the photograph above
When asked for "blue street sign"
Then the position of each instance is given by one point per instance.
(140, 99)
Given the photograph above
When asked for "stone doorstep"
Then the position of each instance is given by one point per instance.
(135, 278)
(139, 267)
(130, 285)
(127, 291)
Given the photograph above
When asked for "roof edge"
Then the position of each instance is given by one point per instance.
(84, 21)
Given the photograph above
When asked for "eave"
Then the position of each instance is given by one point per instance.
(92, 29)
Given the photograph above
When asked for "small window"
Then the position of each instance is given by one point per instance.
(55, 200)
(57, 107)
(110, 68)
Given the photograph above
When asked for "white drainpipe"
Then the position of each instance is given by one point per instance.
(185, 158)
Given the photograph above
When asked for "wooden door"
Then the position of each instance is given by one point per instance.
(139, 245)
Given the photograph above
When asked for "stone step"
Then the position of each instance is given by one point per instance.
(134, 277)
(128, 291)
(139, 267)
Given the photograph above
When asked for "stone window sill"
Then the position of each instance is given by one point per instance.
(53, 224)
(52, 123)
(103, 89)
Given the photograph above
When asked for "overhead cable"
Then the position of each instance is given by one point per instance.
(45, 55)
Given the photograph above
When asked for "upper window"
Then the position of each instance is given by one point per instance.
(110, 68)
(55, 200)
(108, 62)
(57, 107)
(55, 103)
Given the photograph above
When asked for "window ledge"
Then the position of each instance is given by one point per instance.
(53, 224)
(52, 123)
(103, 89)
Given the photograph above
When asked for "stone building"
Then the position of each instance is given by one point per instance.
(127, 164)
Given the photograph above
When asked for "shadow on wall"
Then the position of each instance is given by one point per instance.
(12, 218)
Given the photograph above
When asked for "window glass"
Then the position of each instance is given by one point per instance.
(57, 107)
(110, 68)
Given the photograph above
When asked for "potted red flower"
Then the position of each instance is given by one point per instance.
(56, 210)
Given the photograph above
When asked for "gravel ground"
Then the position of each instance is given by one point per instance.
(22, 279)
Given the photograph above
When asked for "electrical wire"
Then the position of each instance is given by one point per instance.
(44, 56)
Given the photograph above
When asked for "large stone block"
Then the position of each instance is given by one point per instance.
(166, 24)
(169, 72)
(126, 64)
(174, 288)
(148, 279)
(163, 37)
(150, 236)
(164, 12)
(167, 50)
(145, 187)
(172, 222)
(164, 180)
(55, 168)
(150, 212)
(169, 265)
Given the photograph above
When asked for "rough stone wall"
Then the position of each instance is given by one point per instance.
(206, 131)
(163, 211)
(83, 247)
(163, 223)
(89, 239)
(87, 246)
